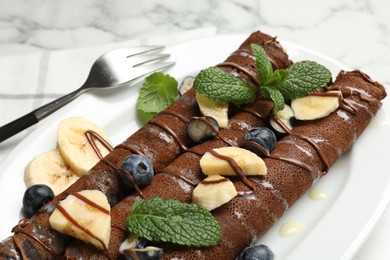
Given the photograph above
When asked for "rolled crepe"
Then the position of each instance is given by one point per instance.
(245, 219)
(187, 166)
(298, 160)
(161, 140)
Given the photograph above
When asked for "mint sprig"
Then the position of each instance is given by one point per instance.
(223, 87)
(171, 221)
(298, 80)
(158, 91)
(280, 85)
(262, 63)
(303, 78)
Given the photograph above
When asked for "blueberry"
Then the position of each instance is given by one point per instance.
(257, 252)
(264, 137)
(140, 168)
(134, 241)
(200, 129)
(35, 197)
(147, 253)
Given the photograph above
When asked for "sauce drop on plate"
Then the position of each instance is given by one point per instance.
(290, 228)
(316, 194)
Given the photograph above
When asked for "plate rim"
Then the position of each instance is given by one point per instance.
(365, 230)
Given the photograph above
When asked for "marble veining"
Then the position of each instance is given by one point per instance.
(356, 32)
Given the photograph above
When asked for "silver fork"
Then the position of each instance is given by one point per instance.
(116, 68)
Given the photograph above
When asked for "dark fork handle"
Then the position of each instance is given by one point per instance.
(24, 122)
(18, 125)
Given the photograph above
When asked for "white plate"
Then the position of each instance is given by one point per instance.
(357, 187)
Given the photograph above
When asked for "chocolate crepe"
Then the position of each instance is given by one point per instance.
(245, 219)
(187, 166)
(298, 160)
(35, 239)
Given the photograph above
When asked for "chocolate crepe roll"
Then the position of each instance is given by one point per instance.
(161, 140)
(34, 237)
(298, 160)
(183, 171)
(315, 146)
(241, 62)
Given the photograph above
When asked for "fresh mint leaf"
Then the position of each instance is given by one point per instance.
(158, 91)
(276, 78)
(171, 221)
(299, 80)
(274, 95)
(223, 87)
(263, 64)
(303, 78)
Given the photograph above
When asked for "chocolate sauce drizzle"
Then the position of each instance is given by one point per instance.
(344, 104)
(78, 225)
(253, 112)
(308, 140)
(135, 150)
(20, 228)
(130, 148)
(213, 129)
(131, 179)
(204, 119)
(237, 169)
(229, 143)
(175, 114)
(90, 202)
(278, 157)
(170, 131)
(93, 138)
(206, 182)
(242, 52)
(165, 127)
(252, 76)
(186, 180)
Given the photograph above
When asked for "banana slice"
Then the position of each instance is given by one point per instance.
(74, 146)
(90, 218)
(249, 162)
(218, 111)
(213, 192)
(49, 168)
(315, 107)
(286, 116)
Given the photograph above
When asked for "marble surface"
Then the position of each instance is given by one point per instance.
(356, 32)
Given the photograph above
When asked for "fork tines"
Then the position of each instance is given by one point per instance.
(147, 60)
(144, 58)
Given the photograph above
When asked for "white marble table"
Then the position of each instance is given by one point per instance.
(355, 32)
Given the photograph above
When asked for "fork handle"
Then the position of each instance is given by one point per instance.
(18, 125)
(24, 122)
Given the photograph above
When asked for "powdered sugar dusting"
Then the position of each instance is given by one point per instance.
(237, 214)
(183, 185)
(165, 137)
(244, 126)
